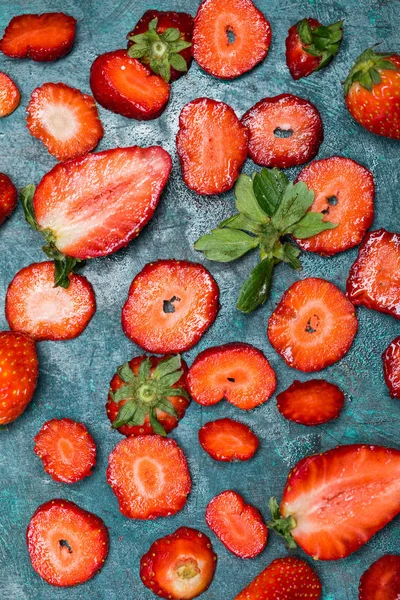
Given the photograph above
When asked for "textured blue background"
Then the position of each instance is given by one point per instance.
(75, 375)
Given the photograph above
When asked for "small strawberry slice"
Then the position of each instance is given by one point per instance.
(8, 197)
(237, 372)
(238, 525)
(180, 565)
(382, 580)
(67, 545)
(170, 306)
(148, 395)
(284, 131)
(334, 502)
(391, 367)
(42, 37)
(211, 156)
(64, 119)
(67, 450)
(230, 37)
(9, 95)
(313, 326)
(226, 440)
(45, 312)
(125, 86)
(374, 278)
(287, 578)
(344, 193)
(150, 476)
(18, 374)
(311, 402)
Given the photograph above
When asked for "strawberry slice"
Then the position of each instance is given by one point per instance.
(238, 525)
(334, 502)
(125, 86)
(374, 278)
(382, 580)
(8, 197)
(67, 450)
(237, 372)
(226, 440)
(284, 131)
(311, 402)
(150, 476)
(211, 157)
(344, 194)
(34, 306)
(170, 306)
(313, 326)
(67, 545)
(180, 565)
(230, 37)
(42, 37)
(9, 95)
(64, 119)
(391, 367)
(288, 578)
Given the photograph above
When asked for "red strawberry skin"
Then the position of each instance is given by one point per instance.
(10, 95)
(391, 367)
(44, 37)
(382, 580)
(227, 440)
(300, 63)
(8, 197)
(311, 402)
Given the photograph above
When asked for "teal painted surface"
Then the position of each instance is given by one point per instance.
(75, 375)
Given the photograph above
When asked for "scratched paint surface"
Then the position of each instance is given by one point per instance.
(75, 375)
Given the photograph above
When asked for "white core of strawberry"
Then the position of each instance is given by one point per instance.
(61, 122)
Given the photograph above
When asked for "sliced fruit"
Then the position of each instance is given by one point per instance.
(230, 37)
(42, 37)
(311, 402)
(227, 440)
(313, 326)
(284, 131)
(179, 566)
(34, 306)
(67, 450)
(125, 86)
(238, 525)
(237, 372)
(9, 95)
(391, 367)
(149, 475)
(8, 197)
(170, 306)
(374, 278)
(344, 194)
(211, 155)
(67, 545)
(382, 580)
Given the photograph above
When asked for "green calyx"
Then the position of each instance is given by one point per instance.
(366, 70)
(281, 525)
(160, 51)
(322, 42)
(64, 265)
(271, 209)
(147, 392)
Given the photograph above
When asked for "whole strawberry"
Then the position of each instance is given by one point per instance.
(372, 92)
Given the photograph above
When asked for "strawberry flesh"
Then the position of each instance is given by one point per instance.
(227, 440)
(391, 367)
(8, 197)
(311, 402)
(382, 580)
(9, 95)
(300, 63)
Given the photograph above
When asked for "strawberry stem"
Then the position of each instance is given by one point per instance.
(281, 525)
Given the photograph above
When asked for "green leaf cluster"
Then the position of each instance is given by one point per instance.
(323, 41)
(366, 70)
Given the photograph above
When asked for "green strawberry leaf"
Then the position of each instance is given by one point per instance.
(125, 414)
(225, 245)
(304, 31)
(168, 380)
(167, 366)
(170, 35)
(256, 288)
(63, 264)
(166, 406)
(144, 370)
(176, 392)
(125, 373)
(157, 427)
(178, 46)
(27, 194)
(366, 69)
(246, 201)
(288, 253)
(240, 221)
(139, 416)
(138, 50)
(296, 201)
(269, 186)
(322, 41)
(177, 62)
(311, 224)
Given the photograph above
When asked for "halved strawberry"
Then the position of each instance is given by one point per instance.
(289, 578)
(9, 95)
(381, 581)
(344, 193)
(211, 156)
(284, 131)
(170, 305)
(64, 119)
(180, 565)
(226, 440)
(148, 395)
(238, 525)
(391, 367)
(8, 197)
(237, 372)
(313, 326)
(374, 278)
(230, 37)
(67, 545)
(334, 502)
(67, 450)
(125, 86)
(42, 37)
(45, 312)
(311, 402)
(149, 475)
